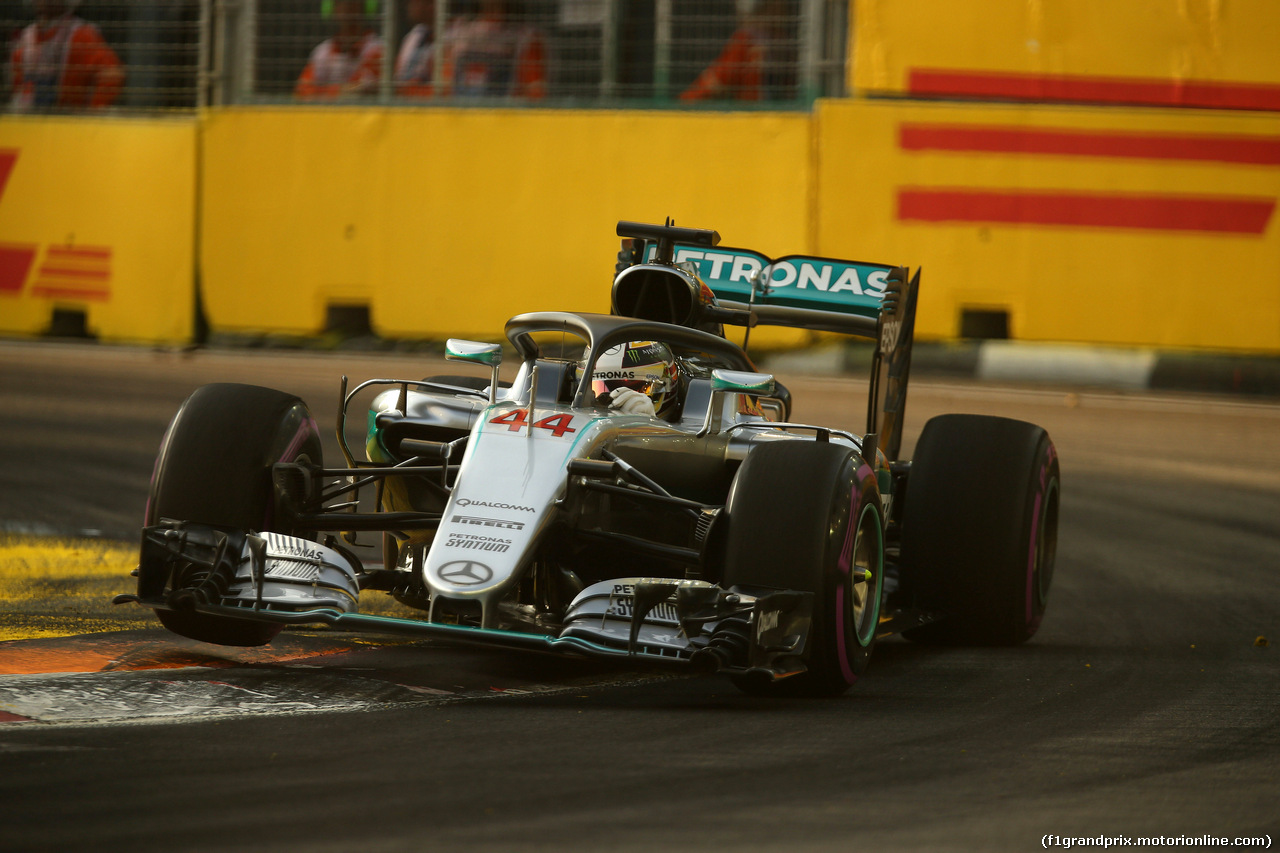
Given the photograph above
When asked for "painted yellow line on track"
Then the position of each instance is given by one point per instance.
(63, 587)
(56, 615)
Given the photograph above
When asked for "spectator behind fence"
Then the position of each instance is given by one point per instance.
(415, 63)
(494, 54)
(62, 62)
(749, 68)
(349, 63)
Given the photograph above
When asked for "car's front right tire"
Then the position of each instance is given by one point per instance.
(214, 467)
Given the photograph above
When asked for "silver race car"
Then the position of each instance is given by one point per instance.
(636, 492)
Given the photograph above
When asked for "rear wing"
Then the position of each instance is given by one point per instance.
(806, 283)
(872, 301)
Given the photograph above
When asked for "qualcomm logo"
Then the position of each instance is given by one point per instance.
(465, 573)
(465, 502)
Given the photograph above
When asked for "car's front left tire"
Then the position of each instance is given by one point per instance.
(806, 516)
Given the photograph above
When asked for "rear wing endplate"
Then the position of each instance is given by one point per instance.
(891, 368)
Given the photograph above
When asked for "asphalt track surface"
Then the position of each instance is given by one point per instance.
(1147, 705)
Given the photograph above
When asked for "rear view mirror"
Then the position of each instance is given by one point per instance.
(473, 352)
(733, 382)
(742, 382)
(490, 355)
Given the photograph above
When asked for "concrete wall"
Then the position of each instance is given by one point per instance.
(451, 221)
(1091, 224)
(98, 216)
(1190, 53)
(1151, 227)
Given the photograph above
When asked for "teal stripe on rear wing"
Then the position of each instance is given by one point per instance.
(794, 281)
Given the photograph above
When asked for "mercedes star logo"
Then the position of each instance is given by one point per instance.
(465, 573)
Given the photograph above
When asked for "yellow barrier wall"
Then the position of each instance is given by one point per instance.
(1101, 46)
(1130, 227)
(98, 215)
(448, 222)
(1152, 227)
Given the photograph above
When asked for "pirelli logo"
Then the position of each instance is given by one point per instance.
(488, 522)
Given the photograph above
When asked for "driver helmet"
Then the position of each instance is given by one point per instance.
(645, 366)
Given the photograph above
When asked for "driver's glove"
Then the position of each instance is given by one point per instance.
(631, 402)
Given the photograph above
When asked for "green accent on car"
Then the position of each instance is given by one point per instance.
(489, 355)
(875, 579)
(374, 447)
(741, 382)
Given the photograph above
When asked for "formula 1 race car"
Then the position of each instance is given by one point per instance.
(636, 492)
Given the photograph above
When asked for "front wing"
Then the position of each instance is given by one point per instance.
(287, 580)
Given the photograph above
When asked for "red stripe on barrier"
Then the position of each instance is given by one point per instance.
(58, 292)
(15, 263)
(8, 158)
(80, 252)
(1077, 88)
(1252, 150)
(1095, 210)
(66, 272)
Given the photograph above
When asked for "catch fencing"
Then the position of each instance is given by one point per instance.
(188, 54)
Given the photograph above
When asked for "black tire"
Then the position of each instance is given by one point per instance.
(214, 467)
(801, 516)
(980, 528)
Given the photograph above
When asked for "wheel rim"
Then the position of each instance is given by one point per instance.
(864, 594)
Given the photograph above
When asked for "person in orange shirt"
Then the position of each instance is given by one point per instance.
(349, 63)
(494, 55)
(62, 62)
(748, 69)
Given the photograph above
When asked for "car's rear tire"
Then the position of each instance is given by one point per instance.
(980, 528)
(806, 516)
(214, 467)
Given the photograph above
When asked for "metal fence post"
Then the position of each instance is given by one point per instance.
(246, 29)
(204, 74)
(438, 52)
(662, 50)
(385, 81)
(609, 50)
(811, 43)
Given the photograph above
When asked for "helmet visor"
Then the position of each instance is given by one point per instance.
(605, 387)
